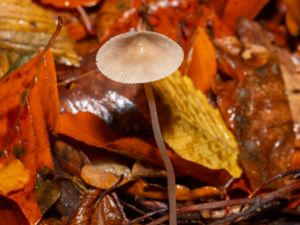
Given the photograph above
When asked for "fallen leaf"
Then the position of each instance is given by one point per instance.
(139, 149)
(100, 178)
(70, 3)
(24, 132)
(262, 119)
(109, 13)
(13, 177)
(235, 9)
(202, 65)
(33, 32)
(196, 130)
(109, 211)
(292, 16)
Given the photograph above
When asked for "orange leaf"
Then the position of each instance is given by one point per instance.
(70, 3)
(139, 149)
(99, 178)
(30, 96)
(202, 66)
(85, 127)
(237, 8)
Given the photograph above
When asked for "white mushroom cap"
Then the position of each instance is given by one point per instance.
(139, 57)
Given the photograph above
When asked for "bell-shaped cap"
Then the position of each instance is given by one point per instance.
(139, 57)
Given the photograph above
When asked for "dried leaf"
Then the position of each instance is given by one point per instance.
(85, 127)
(13, 177)
(33, 32)
(235, 9)
(196, 130)
(202, 66)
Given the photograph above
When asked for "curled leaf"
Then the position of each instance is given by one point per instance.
(196, 130)
(13, 177)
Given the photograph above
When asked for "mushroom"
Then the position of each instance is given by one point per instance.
(144, 57)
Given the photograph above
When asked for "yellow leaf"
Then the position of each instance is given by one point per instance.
(13, 177)
(196, 130)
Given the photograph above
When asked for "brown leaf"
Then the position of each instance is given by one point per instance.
(109, 211)
(85, 209)
(87, 90)
(10, 213)
(262, 118)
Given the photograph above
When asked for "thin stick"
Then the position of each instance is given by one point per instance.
(163, 151)
(263, 199)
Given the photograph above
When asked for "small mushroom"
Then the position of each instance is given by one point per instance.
(143, 57)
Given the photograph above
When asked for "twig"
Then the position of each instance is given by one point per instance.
(146, 216)
(263, 199)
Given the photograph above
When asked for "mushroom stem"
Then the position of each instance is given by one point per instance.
(163, 151)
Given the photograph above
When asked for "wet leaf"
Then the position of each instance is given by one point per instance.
(85, 209)
(13, 177)
(262, 118)
(23, 124)
(196, 130)
(109, 211)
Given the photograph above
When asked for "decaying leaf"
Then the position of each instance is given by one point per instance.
(13, 177)
(257, 99)
(196, 130)
(26, 27)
